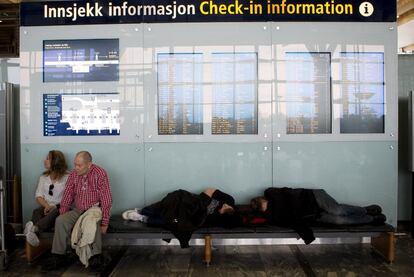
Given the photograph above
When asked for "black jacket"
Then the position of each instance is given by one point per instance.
(183, 212)
(293, 208)
(222, 220)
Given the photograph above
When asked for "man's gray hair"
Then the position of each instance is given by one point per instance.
(86, 156)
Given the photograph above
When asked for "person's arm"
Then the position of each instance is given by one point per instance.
(42, 202)
(210, 191)
(68, 194)
(106, 200)
(40, 193)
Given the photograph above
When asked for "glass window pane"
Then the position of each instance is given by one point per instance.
(308, 93)
(362, 90)
(234, 93)
(180, 110)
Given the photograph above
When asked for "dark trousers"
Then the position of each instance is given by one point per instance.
(154, 218)
(42, 221)
(340, 214)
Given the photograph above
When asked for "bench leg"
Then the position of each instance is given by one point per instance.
(385, 246)
(33, 252)
(207, 250)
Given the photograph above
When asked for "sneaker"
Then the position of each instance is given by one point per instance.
(373, 209)
(133, 215)
(28, 228)
(32, 239)
(125, 214)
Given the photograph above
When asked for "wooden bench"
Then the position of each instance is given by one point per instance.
(382, 237)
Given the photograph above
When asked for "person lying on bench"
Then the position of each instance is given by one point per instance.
(87, 185)
(183, 212)
(48, 195)
(298, 208)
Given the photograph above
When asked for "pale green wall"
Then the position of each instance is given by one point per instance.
(355, 168)
(358, 173)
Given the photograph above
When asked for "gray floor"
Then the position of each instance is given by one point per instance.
(346, 260)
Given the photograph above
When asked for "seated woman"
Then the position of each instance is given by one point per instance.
(183, 212)
(298, 208)
(48, 194)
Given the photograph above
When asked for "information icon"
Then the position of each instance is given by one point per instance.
(366, 9)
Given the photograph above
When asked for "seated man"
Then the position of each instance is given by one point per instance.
(87, 186)
(297, 208)
(183, 212)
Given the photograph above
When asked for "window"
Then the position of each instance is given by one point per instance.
(308, 93)
(362, 90)
(180, 110)
(234, 93)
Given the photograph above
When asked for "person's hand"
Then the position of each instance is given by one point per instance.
(49, 208)
(104, 228)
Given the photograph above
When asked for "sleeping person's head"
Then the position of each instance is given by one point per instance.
(259, 204)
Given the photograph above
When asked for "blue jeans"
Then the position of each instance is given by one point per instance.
(339, 214)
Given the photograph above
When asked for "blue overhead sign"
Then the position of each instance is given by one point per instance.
(158, 11)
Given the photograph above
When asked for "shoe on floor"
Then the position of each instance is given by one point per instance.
(373, 209)
(32, 239)
(98, 262)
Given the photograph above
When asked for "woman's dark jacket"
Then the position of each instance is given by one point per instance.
(183, 212)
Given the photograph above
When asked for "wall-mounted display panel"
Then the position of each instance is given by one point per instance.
(180, 110)
(81, 60)
(362, 91)
(234, 94)
(129, 85)
(81, 114)
(308, 92)
(362, 82)
(214, 83)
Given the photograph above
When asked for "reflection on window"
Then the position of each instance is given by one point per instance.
(308, 93)
(180, 110)
(234, 93)
(362, 90)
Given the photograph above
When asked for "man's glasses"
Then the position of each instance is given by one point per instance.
(51, 187)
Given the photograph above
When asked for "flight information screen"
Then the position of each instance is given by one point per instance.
(308, 92)
(81, 60)
(81, 114)
(234, 94)
(362, 90)
(180, 107)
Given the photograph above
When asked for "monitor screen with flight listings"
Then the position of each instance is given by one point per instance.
(81, 60)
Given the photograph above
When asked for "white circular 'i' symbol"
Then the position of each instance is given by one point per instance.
(366, 9)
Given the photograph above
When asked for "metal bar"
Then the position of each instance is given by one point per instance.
(3, 248)
(9, 146)
(10, 131)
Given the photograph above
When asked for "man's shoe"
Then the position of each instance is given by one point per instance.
(373, 209)
(98, 262)
(54, 262)
(379, 219)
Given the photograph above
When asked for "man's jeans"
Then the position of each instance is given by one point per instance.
(339, 214)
